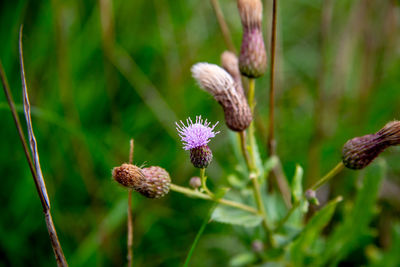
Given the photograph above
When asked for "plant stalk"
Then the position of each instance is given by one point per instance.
(271, 133)
(129, 256)
(226, 34)
(197, 194)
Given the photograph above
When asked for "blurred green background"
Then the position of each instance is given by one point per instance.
(102, 72)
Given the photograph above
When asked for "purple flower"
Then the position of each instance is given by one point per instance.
(196, 134)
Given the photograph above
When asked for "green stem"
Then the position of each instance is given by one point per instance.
(203, 178)
(197, 194)
(332, 173)
(251, 164)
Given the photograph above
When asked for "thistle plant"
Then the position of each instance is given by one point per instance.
(274, 228)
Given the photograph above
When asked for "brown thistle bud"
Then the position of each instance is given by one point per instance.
(128, 175)
(253, 57)
(230, 63)
(152, 182)
(359, 152)
(221, 85)
(156, 184)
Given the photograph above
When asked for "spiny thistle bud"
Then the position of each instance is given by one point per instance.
(152, 182)
(128, 175)
(358, 152)
(220, 84)
(156, 184)
(230, 63)
(195, 182)
(253, 57)
(195, 137)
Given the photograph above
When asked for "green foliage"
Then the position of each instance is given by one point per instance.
(102, 72)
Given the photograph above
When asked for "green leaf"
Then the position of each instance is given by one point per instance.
(301, 247)
(348, 235)
(230, 215)
(271, 163)
(243, 259)
(297, 187)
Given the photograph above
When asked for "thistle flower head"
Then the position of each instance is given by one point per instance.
(157, 182)
(194, 135)
(230, 63)
(221, 85)
(359, 152)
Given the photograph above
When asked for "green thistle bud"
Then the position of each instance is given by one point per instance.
(156, 184)
(201, 156)
(128, 175)
(253, 57)
(359, 152)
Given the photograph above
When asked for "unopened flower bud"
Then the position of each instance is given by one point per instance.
(257, 246)
(253, 57)
(359, 152)
(156, 184)
(311, 196)
(221, 85)
(128, 175)
(230, 63)
(195, 182)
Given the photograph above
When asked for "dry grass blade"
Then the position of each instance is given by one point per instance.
(32, 139)
(38, 176)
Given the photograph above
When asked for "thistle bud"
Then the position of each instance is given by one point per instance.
(359, 152)
(253, 57)
(221, 85)
(156, 184)
(128, 175)
(257, 246)
(201, 156)
(195, 182)
(311, 196)
(230, 63)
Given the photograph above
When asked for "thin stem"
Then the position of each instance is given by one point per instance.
(197, 194)
(253, 168)
(224, 27)
(203, 178)
(34, 163)
(271, 135)
(129, 256)
(242, 137)
(332, 173)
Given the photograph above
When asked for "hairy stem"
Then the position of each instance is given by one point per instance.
(254, 172)
(197, 194)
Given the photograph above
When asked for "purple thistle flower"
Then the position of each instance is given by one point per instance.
(195, 137)
(195, 134)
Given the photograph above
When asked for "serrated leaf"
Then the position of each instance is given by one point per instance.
(302, 244)
(230, 215)
(347, 236)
